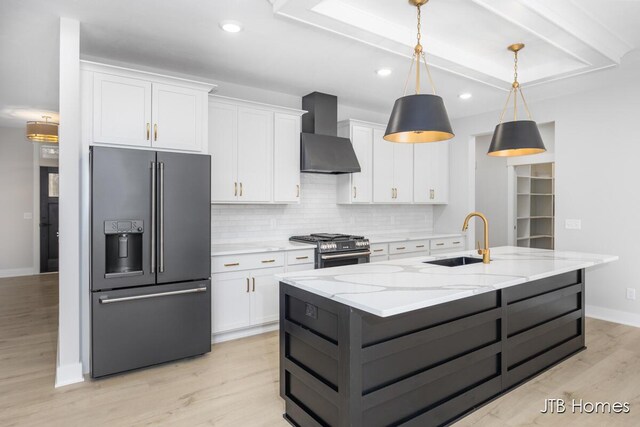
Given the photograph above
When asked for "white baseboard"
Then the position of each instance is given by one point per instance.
(616, 316)
(243, 333)
(15, 272)
(69, 374)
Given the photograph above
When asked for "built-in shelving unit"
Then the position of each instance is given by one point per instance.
(535, 205)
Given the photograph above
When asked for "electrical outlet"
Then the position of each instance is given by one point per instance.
(631, 293)
(573, 224)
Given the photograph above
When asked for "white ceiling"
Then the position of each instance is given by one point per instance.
(465, 40)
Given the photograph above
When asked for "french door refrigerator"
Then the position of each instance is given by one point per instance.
(150, 258)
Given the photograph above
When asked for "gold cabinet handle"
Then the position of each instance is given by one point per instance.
(232, 264)
(378, 250)
(419, 246)
(439, 244)
(268, 261)
(355, 192)
(456, 243)
(247, 285)
(155, 132)
(432, 194)
(302, 257)
(235, 189)
(254, 283)
(240, 189)
(297, 190)
(401, 248)
(148, 131)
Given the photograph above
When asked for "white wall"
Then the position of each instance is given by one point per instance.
(16, 199)
(491, 192)
(597, 147)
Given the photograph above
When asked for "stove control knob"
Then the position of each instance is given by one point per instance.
(323, 246)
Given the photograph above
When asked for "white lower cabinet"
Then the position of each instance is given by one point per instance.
(242, 299)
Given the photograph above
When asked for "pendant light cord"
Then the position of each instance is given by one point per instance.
(419, 56)
(515, 89)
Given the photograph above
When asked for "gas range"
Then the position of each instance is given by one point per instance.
(333, 250)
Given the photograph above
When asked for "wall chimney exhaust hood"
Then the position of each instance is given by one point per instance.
(321, 150)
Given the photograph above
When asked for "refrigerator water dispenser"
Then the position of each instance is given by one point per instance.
(123, 241)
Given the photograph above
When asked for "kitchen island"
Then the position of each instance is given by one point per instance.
(416, 344)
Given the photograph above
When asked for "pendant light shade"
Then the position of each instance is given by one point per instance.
(42, 131)
(418, 118)
(519, 137)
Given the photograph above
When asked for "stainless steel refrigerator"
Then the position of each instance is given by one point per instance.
(150, 258)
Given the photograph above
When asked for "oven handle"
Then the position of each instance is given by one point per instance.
(347, 255)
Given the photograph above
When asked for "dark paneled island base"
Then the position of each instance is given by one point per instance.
(340, 366)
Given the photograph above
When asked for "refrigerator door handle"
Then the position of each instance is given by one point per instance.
(161, 217)
(159, 294)
(153, 217)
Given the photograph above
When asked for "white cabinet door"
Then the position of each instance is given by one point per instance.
(440, 170)
(286, 158)
(431, 173)
(223, 143)
(403, 172)
(230, 302)
(177, 118)
(362, 140)
(383, 151)
(255, 151)
(264, 296)
(121, 110)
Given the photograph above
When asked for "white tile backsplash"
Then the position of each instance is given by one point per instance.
(316, 213)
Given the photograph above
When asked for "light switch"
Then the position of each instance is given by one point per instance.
(573, 224)
(27, 215)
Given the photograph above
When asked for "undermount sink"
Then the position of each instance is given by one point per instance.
(455, 262)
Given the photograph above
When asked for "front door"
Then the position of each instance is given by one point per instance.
(48, 219)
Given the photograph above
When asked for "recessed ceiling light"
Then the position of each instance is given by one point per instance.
(231, 26)
(383, 72)
(465, 95)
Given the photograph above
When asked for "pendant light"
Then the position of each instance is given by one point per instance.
(420, 117)
(519, 137)
(46, 131)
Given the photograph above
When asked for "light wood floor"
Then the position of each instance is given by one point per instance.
(237, 383)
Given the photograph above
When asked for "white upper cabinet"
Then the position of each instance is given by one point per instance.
(392, 170)
(255, 155)
(140, 109)
(255, 151)
(431, 173)
(286, 158)
(178, 117)
(223, 147)
(121, 110)
(357, 187)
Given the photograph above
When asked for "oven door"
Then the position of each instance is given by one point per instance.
(342, 258)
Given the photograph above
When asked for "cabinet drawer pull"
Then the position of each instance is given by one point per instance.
(378, 250)
(355, 192)
(148, 131)
(268, 261)
(247, 285)
(235, 189)
(297, 190)
(232, 264)
(302, 257)
(432, 194)
(456, 243)
(155, 132)
(253, 279)
(400, 248)
(439, 244)
(240, 189)
(419, 246)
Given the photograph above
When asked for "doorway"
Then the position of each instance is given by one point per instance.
(49, 185)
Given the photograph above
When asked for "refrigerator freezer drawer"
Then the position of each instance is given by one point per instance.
(139, 327)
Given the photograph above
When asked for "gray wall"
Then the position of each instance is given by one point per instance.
(491, 193)
(16, 199)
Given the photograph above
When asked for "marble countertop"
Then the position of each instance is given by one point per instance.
(219, 249)
(388, 288)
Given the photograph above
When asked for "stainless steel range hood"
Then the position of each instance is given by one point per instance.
(322, 150)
